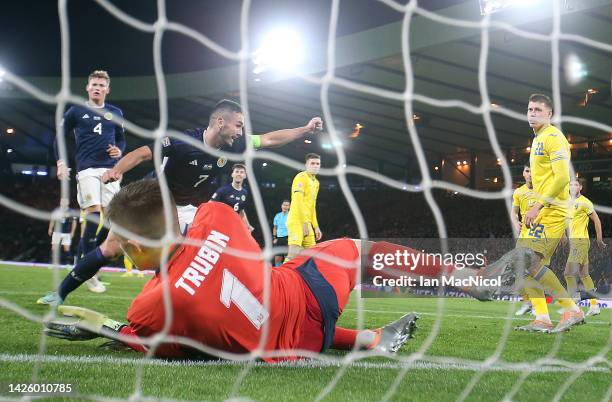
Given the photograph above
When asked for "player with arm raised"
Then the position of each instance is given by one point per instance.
(234, 194)
(191, 175)
(578, 258)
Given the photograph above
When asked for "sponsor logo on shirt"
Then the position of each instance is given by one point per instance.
(86, 116)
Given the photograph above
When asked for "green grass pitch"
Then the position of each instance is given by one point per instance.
(469, 333)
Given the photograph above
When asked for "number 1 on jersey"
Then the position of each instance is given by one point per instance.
(232, 290)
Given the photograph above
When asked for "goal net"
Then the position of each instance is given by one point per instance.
(467, 374)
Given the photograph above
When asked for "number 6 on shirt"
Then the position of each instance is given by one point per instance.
(232, 290)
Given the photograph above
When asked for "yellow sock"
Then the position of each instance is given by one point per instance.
(588, 283)
(550, 282)
(571, 284)
(127, 264)
(538, 300)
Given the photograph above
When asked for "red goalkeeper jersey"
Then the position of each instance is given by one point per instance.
(217, 299)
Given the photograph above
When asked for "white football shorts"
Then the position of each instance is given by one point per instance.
(91, 190)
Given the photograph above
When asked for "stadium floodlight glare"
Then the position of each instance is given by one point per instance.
(281, 50)
(10, 150)
(493, 6)
(264, 164)
(307, 142)
(2, 72)
(575, 70)
(10, 130)
(331, 144)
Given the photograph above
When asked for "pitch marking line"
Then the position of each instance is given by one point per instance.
(67, 359)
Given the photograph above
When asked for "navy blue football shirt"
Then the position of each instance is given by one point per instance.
(192, 174)
(236, 199)
(93, 133)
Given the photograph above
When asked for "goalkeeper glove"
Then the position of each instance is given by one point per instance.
(81, 324)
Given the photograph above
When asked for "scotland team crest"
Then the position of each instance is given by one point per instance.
(108, 116)
(221, 161)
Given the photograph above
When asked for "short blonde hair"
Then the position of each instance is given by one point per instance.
(99, 74)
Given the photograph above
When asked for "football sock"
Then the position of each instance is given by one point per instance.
(347, 339)
(101, 235)
(537, 298)
(84, 270)
(550, 282)
(127, 264)
(587, 281)
(79, 250)
(89, 236)
(571, 284)
(344, 338)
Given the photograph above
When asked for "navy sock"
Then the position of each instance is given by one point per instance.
(84, 270)
(79, 250)
(101, 235)
(89, 236)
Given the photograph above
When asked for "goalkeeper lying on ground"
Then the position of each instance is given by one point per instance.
(217, 297)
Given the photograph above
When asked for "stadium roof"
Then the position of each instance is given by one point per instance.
(445, 63)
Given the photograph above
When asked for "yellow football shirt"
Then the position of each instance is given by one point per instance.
(523, 198)
(550, 175)
(304, 192)
(583, 208)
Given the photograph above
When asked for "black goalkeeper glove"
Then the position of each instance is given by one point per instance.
(81, 324)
